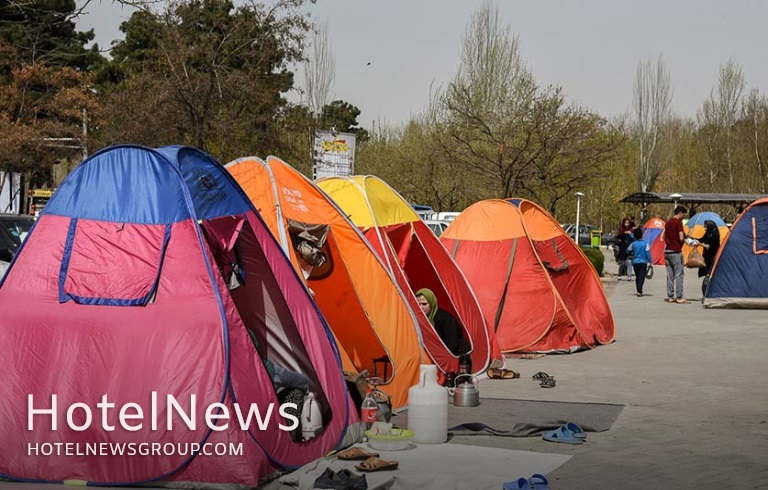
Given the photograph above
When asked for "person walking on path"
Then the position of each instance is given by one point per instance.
(641, 252)
(624, 236)
(673, 256)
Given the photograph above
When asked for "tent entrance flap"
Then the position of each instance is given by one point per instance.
(550, 255)
(308, 241)
(261, 305)
(108, 263)
(503, 299)
(759, 236)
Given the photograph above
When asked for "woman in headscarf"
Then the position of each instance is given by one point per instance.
(711, 243)
(446, 326)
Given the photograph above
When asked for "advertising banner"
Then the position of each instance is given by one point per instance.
(334, 154)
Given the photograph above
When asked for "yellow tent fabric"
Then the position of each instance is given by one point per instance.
(367, 312)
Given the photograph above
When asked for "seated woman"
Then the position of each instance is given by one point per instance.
(446, 326)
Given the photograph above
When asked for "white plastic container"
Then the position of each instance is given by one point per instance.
(428, 408)
(311, 418)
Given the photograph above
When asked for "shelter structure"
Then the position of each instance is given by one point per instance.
(374, 325)
(690, 199)
(739, 277)
(536, 286)
(653, 234)
(150, 276)
(417, 260)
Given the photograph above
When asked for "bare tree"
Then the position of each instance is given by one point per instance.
(730, 88)
(652, 101)
(716, 118)
(488, 104)
(755, 113)
(319, 72)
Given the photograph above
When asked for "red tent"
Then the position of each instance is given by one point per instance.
(653, 234)
(417, 260)
(534, 284)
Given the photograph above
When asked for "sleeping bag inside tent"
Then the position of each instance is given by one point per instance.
(417, 260)
(149, 280)
(374, 326)
(739, 277)
(536, 286)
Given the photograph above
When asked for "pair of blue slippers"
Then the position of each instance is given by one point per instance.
(569, 433)
(535, 482)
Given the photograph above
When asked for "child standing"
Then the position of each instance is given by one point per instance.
(641, 252)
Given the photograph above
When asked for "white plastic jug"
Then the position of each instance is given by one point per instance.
(428, 408)
(311, 418)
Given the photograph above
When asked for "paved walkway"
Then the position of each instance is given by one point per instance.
(694, 386)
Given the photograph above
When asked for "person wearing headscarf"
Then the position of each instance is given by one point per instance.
(711, 244)
(446, 326)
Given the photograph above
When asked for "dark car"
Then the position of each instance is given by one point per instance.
(13, 230)
(585, 230)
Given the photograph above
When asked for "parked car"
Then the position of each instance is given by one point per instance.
(585, 237)
(437, 227)
(13, 230)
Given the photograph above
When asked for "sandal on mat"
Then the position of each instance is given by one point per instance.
(562, 435)
(548, 383)
(541, 375)
(498, 373)
(376, 464)
(538, 481)
(356, 454)
(520, 484)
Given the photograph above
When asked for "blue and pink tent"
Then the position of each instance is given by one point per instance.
(739, 278)
(150, 274)
(653, 234)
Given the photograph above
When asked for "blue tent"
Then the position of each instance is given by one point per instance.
(739, 277)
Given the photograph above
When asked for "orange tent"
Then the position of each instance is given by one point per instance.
(417, 260)
(372, 320)
(534, 284)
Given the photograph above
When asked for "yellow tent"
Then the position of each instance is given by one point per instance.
(417, 260)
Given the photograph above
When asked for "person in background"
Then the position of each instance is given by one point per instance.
(624, 236)
(641, 253)
(446, 326)
(711, 243)
(673, 256)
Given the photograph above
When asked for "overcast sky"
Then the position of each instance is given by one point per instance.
(590, 47)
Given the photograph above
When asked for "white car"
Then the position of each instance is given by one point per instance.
(437, 227)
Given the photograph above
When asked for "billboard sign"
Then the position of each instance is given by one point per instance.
(334, 155)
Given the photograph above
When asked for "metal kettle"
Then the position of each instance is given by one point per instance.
(466, 394)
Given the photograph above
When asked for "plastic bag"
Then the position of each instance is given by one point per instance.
(695, 259)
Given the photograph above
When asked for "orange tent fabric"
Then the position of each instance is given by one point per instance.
(371, 318)
(417, 260)
(536, 287)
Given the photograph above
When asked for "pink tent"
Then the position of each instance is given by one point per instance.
(149, 275)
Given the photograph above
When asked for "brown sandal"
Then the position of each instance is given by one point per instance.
(355, 454)
(376, 464)
(497, 373)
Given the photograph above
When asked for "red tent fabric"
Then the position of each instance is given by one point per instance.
(535, 286)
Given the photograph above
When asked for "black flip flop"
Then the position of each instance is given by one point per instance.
(548, 383)
(540, 375)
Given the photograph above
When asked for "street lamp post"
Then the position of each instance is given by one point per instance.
(578, 212)
(676, 197)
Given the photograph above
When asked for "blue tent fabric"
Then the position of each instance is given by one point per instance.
(113, 185)
(700, 218)
(739, 278)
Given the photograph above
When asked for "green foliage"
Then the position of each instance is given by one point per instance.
(596, 258)
(342, 116)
